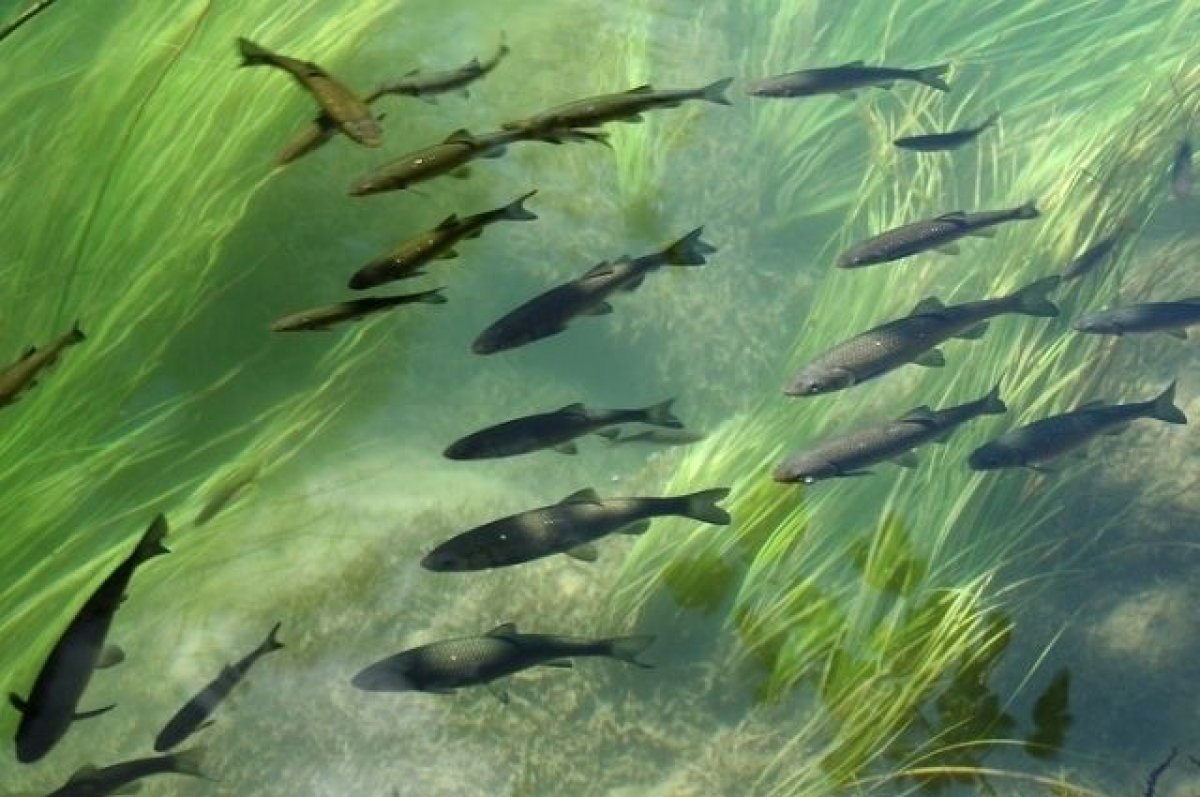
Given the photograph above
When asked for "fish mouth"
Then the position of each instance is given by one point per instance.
(484, 347)
(782, 475)
(457, 451)
(436, 562)
(382, 678)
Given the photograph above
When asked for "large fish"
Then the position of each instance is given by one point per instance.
(914, 339)
(570, 526)
(1182, 178)
(626, 106)
(348, 111)
(23, 374)
(322, 318)
(554, 430)
(194, 714)
(123, 778)
(854, 453)
(51, 706)
(1033, 445)
(407, 258)
(549, 313)
(923, 236)
(442, 667)
(1171, 317)
(845, 79)
(941, 142)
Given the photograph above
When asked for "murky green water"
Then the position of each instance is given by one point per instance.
(931, 628)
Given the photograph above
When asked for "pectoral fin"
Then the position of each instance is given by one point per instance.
(583, 553)
(567, 448)
(974, 333)
(449, 254)
(633, 529)
(906, 460)
(462, 173)
(17, 702)
(87, 715)
(948, 249)
(563, 663)
(931, 359)
(111, 656)
(498, 692)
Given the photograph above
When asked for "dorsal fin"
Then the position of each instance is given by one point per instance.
(573, 409)
(448, 222)
(930, 304)
(601, 268)
(921, 414)
(503, 630)
(412, 72)
(461, 134)
(585, 496)
(474, 63)
(645, 88)
(25, 355)
(954, 215)
(859, 62)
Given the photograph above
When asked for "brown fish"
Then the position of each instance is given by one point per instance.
(23, 374)
(322, 318)
(626, 106)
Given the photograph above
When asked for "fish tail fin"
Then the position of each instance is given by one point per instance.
(932, 76)
(76, 335)
(660, 415)
(702, 506)
(434, 296)
(189, 762)
(253, 54)
(1163, 407)
(627, 649)
(688, 250)
(992, 404)
(151, 544)
(715, 91)
(1028, 211)
(272, 641)
(516, 210)
(1031, 300)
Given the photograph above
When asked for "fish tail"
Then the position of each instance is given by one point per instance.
(627, 649)
(1163, 407)
(189, 762)
(660, 415)
(688, 250)
(253, 54)
(715, 91)
(272, 641)
(932, 76)
(516, 211)
(1031, 300)
(702, 506)
(151, 544)
(992, 404)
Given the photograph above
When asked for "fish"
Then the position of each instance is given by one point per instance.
(1181, 175)
(569, 527)
(90, 781)
(406, 260)
(442, 667)
(549, 313)
(1093, 256)
(195, 714)
(1033, 445)
(1170, 317)
(224, 493)
(348, 111)
(23, 374)
(923, 236)
(661, 437)
(625, 106)
(50, 708)
(852, 454)
(914, 339)
(844, 79)
(555, 430)
(940, 142)
(323, 318)
(416, 84)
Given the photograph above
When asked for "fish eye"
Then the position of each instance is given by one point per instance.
(814, 389)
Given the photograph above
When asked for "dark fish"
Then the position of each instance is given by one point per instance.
(940, 142)
(406, 259)
(194, 715)
(322, 318)
(845, 79)
(224, 493)
(1181, 170)
(554, 430)
(1031, 446)
(50, 708)
(661, 437)
(1092, 256)
(852, 454)
(350, 113)
(627, 106)
(117, 778)
(23, 374)
(569, 527)
(549, 313)
(442, 667)
(914, 339)
(923, 236)
(416, 84)
(1170, 317)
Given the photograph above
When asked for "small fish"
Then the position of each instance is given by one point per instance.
(851, 455)
(442, 667)
(660, 437)
(923, 236)
(549, 313)
(51, 706)
(122, 778)
(350, 113)
(1033, 445)
(569, 527)
(626, 106)
(1182, 178)
(224, 493)
(845, 79)
(23, 374)
(941, 142)
(415, 84)
(322, 318)
(194, 714)
(1170, 317)
(1092, 256)
(553, 430)
(405, 260)
(914, 339)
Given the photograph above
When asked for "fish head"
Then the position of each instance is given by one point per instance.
(451, 557)
(461, 449)
(853, 258)
(374, 185)
(994, 456)
(816, 380)
(805, 469)
(390, 675)
(1097, 324)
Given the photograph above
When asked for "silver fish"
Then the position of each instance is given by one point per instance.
(569, 527)
(626, 106)
(1170, 317)
(1033, 445)
(914, 339)
(123, 778)
(425, 85)
(852, 454)
(844, 79)
(940, 142)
